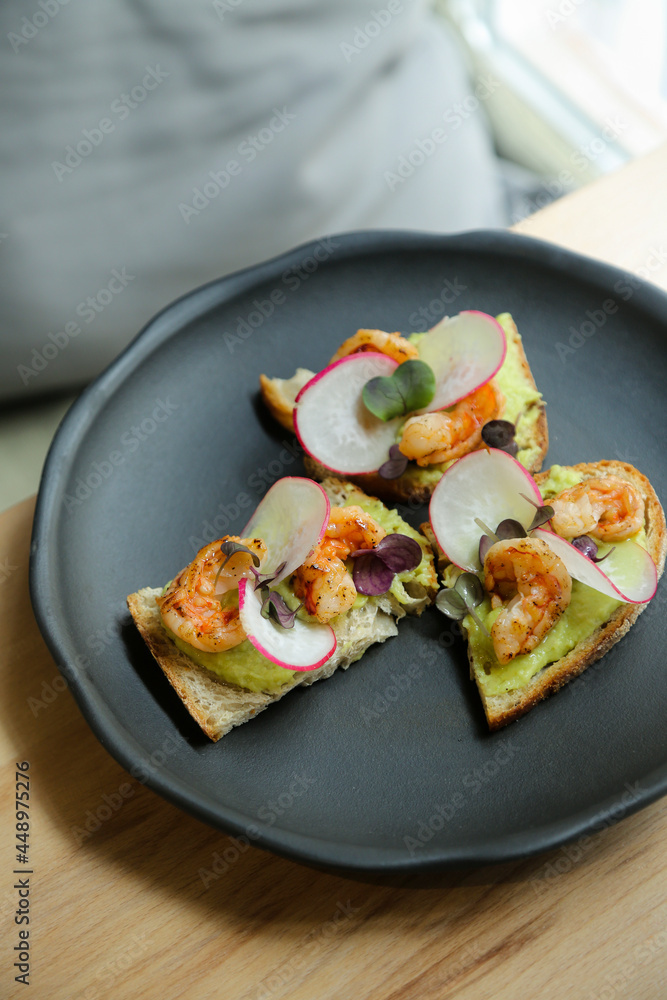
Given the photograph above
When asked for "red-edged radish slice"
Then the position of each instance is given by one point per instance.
(291, 520)
(332, 422)
(629, 573)
(486, 485)
(464, 351)
(305, 646)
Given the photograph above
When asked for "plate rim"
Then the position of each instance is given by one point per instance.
(121, 744)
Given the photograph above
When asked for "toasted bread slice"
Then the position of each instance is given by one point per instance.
(501, 709)
(524, 408)
(217, 705)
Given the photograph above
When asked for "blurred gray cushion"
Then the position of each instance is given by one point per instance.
(151, 146)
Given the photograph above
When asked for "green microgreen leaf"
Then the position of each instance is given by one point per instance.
(411, 387)
(460, 600)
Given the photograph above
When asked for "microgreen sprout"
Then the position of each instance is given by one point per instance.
(460, 600)
(274, 607)
(395, 465)
(543, 512)
(410, 387)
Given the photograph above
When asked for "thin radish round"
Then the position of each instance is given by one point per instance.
(332, 422)
(485, 485)
(464, 351)
(629, 573)
(291, 520)
(305, 646)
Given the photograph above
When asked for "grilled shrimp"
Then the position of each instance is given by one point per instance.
(608, 508)
(323, 582)
(528, 574)
(191, 607)
(448, 434)
(392, 344)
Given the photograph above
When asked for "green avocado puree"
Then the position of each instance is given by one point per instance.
(245, 666)
(521, 407)
(588, 609)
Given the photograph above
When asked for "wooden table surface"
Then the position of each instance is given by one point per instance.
(129, 897)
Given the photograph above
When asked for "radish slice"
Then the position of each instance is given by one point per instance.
(464, 353)
(629, 572)
(305, 646)
(291, 520)
(332, 422)
(486, 485)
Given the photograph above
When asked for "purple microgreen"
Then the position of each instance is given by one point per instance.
(229, 548)
(500, 434)
(371, 575)
(543, 512)
(374, 569)
(542, 515)
(262, 579)
(586, 545)
(395, 465)
(275, 609)
(409, 388)
(485, 543)
(399, 552)
(509, 528)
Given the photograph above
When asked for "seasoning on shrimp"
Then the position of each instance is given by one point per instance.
(608, 508)
(445, 435)
(191, 607)
(530, 582)
(323, 582)
(391, 344)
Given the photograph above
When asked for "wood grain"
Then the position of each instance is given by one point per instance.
(154, 904)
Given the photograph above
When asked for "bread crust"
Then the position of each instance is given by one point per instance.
(403, 489)
(503, 709)
(218, 706)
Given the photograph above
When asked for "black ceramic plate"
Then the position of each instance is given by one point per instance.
(389, 766)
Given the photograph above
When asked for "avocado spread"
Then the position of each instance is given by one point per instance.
(244, 666)
(588, 609)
